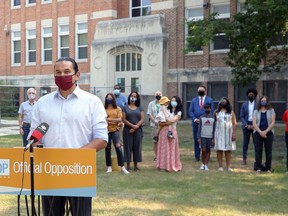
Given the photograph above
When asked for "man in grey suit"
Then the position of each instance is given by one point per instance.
(246, 115)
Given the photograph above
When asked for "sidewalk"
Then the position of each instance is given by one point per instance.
(9, 127)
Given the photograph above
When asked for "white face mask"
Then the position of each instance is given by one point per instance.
(31, 96)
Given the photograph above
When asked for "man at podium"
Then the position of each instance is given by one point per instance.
(76, 119)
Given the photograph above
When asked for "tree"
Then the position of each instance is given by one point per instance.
(257, 36)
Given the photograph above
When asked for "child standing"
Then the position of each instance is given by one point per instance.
(162, 116)
(206, 135)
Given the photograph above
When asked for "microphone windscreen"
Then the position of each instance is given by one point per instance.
(39, 132)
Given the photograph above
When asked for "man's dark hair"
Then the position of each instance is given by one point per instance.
(75, 65)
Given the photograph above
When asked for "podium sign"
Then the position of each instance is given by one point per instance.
(57, 172)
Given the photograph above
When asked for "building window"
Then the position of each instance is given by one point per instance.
(140, 8)
(217, 90)
(276, 91)
(30, 2)
(47, 44)
(15, 3)
(135, 84)
(82, 40)
(16, 47)
(129, 62)
(63, 41)
(46, 1)
(121, 83)
(31, 46)
(220, 40)
(193, 14)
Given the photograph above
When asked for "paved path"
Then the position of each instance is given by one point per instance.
(9, 127)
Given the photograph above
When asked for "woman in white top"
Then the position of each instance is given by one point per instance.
(225, 132)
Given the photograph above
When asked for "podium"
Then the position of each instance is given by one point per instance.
(57, 172)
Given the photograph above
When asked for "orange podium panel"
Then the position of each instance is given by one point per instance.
(57, 172)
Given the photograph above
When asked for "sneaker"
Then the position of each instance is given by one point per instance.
(258, 171)
(109, 169)
(230, 169)
(170, 135)
(206, 168)
(220, 169)
(124, 170)
(202, 167)
(268, 171)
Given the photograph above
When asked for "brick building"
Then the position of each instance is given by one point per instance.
(137, 43)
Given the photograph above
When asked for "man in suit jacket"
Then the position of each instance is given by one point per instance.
(246, 115)
(196, 109)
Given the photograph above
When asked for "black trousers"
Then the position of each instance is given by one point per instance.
(55, 205)
(246, 138)
(259, 142)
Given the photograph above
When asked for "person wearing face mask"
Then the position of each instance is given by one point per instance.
(206, 135)
(25, 114)
(163, 116)
(225, 133)
(196, 109)
(114, 121)
(246, 115)
(133, 119)
(263, 121)
(168, 154)
(121, 100)
(152, 110)
(76, 119)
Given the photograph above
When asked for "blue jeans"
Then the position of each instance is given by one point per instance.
(26, 130)
(114, 136)
(196, 144)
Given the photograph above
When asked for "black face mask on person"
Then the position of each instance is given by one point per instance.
(158, 97)
(201, 93)
(250, 98)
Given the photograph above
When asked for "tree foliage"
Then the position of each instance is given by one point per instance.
(257, 36)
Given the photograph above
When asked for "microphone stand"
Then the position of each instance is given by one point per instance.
(32, 180)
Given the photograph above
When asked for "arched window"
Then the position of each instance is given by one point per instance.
(129, 61)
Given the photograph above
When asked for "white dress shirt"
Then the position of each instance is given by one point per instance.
(250, 110)
(73, 122)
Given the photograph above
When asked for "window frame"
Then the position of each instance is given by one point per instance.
(140, 7)
(13, 4)
(123, 57)
(43, 49)
(30, 3)
(60, 34)
(28, 51)
(222, 16)
(15, 39)
(77, 46)
(189, 19)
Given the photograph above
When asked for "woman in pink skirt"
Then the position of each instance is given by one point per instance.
(168, 155)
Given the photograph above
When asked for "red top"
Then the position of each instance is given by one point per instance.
(285, 119)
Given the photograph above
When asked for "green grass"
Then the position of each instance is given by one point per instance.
(189, 192)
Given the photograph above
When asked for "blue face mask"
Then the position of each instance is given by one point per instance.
(109, 100)
(174, 103)
(263, 103)
(116, 91)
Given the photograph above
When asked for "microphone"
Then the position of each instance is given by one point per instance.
(37, 134)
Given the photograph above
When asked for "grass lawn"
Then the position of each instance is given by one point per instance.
(189, 192)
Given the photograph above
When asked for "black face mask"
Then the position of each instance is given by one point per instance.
(251, 98)
(158, 97)
(201, 93)
(223, 105)
(207, 111)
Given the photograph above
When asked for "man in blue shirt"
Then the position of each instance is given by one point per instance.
(196, 109)
(121, 100)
